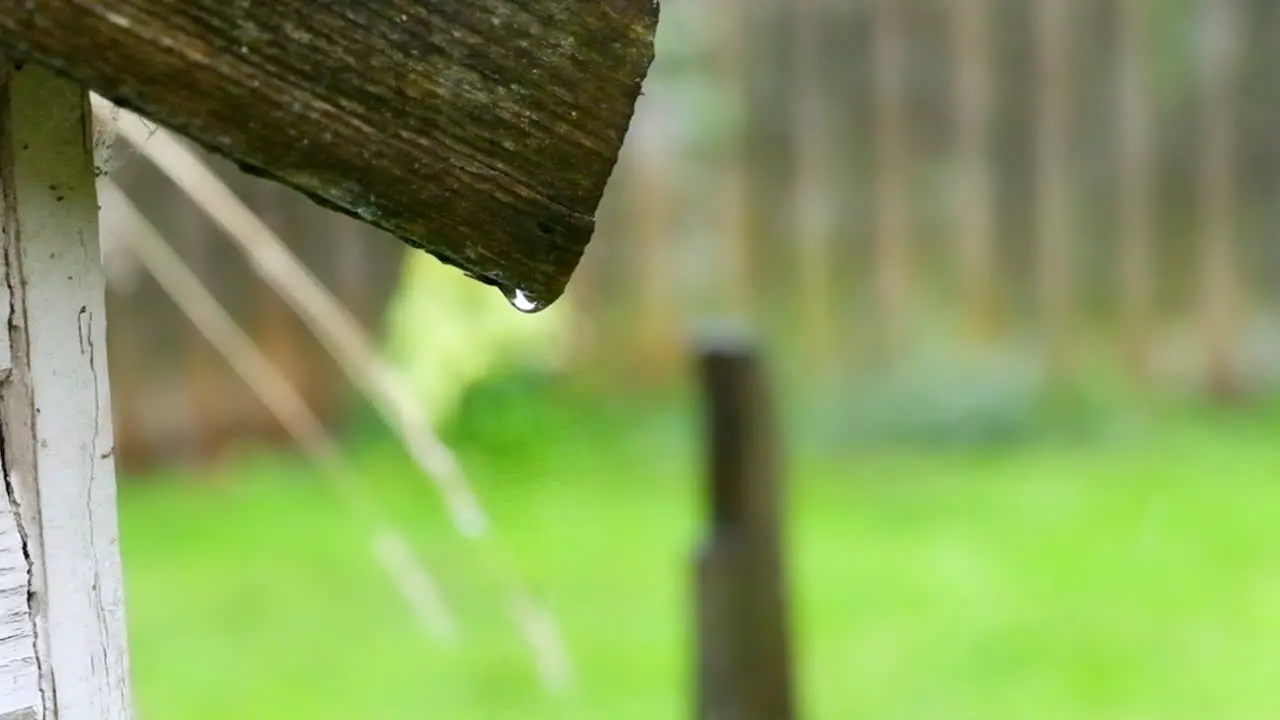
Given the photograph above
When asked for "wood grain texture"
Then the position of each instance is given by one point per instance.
(55, 413)
(483, 131)
(19, 669)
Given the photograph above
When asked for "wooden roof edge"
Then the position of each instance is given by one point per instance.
(481, 131)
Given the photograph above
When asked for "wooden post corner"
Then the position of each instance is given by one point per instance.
(62, 631)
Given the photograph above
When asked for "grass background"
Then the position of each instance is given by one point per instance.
(1124, 578)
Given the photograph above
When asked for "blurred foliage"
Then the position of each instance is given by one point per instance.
(933, 403)
(447, 331)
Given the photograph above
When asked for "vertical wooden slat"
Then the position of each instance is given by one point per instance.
(203, 369)
(274, 327)
(589, 290)
(732, 19)
(362, 267)
(1053, 37)
(893, 231)
(975, 188)
(1055, 274)
(811, 144)
(338, 255)
(1219, 277)
(1136, 191)
(124, 347)
(225, 407)
(652, 242)
(744, 654)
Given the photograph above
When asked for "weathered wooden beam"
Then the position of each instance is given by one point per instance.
(482, 131)
(744, 651)
(62, 630)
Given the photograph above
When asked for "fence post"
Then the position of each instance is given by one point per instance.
(62, 631)
(744, 654)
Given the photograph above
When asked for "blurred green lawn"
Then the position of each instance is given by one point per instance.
(1135, 579)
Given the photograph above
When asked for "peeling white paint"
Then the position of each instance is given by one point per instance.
(61, 596)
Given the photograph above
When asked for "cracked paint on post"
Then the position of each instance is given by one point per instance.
(62, 632)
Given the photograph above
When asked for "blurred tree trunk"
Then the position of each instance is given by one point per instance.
(892, 189)
(811, 204)
(1136, 178)
(1220, 296)
(1053, 39)
(974, 196)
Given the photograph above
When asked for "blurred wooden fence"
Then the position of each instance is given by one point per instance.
(1090, 182)
(174, 396)
(1093, 181)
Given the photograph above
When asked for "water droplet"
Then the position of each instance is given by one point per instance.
(523, 303)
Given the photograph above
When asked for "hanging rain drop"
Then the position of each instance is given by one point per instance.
(521, 302)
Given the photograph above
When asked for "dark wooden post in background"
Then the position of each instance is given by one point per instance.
(744, 658)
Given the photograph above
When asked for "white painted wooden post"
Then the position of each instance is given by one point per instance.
(62, 632)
